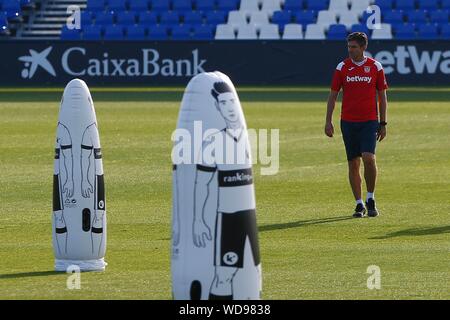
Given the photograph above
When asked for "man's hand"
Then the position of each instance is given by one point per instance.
(329, 129)
(86, 188)
(381, 133)
(68, 188)
(200, 231)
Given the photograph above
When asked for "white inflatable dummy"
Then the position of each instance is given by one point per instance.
(215, 250)
(79, 208)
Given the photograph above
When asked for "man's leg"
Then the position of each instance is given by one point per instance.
(354, 176)
(370, 175)
(222, 285)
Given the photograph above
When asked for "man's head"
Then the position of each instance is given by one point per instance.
(226, 102)
(356, 44)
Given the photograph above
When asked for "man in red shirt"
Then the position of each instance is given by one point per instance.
(361, 79)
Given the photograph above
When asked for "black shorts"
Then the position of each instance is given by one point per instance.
(359, 137)
(232, 229)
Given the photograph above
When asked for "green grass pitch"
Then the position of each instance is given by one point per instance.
(310, 247)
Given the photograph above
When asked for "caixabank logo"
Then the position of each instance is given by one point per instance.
(81, 61)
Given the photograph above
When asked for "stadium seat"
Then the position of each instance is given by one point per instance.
(428, 4)
(393, 17)
(314, 32)
(259, 18)
(126, 18)
(359, 5)
(236, 19)
(405, 5)
(385, 32)
(11, 8)
(181, 33)
(337, 32)
(445, 4)
(348, 18)
(169, 18)
(158, 32)
(405, 32)
(203, 32)
(139, 5)
(418, 16)
(116, 5)
(249, 5)
(92, 33)
(113, 33)
(104, 18)
(269, 32)
(86, 18)
(305, 17)
(338, 5)
(3, 23)
(293, 5)
(224, 32)
(282, 18)
(385, 5)
(193, 18)
(148, 18)
(205, 5)
(247, 32)
(69, 34)
(360, 28)
(270, 5)
(325, 18)
(317, 5)
(227, 5)
(216, 17)
(182, 5)
(440, 16)
(136, 33)
(95, 5)
(445, 31)
(160, 5)
(428, 32)
(293, 31)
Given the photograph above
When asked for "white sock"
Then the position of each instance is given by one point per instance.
(370, 195)
(359, 201)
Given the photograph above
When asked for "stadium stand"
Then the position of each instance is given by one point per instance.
(233, 19)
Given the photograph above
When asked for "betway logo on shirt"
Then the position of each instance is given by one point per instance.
(359, 79)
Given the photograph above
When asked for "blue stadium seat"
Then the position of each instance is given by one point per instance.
(104, 18)
(385, 5)
(317, 5)
(337, 32)
(158, 32)
(160, 5)
(445, 4)
(305, 17)
(440, 16)
(293, 5)
(70, 34)
(87, 18)
(405, 4)
(393, 17)
(126, 18)
(193, 18)
(117, 5)
(139, 5)
(11, 8)
(428, 4)
(428, 31)
(26, 3)
(169, 17)
(360, 28)
(92, 33)
(182, 5)
(227, 5)
(204, 32)
(136, 33)
(3, 23)
(282, 18)
(216, 17)
(445, 31)
(113, 33)
(181, 33)
(205, 5)
(95, 5)
(148, 18)
(405, 32)
(416, 16)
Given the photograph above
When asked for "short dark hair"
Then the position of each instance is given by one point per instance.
(359, 37)
(220, 87)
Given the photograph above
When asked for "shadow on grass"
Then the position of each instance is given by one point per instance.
(414, 232)
(29, 274)
(301, 223)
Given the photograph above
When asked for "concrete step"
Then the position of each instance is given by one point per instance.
(27, 33)
(51, 13)
(38, 26)
(50, 20)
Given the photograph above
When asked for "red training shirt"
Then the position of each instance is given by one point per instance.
(359, 83)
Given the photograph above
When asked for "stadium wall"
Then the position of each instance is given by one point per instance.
(38, 63)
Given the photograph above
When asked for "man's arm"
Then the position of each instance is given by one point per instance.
(329, 129)
(383, 114)
(200, 229)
